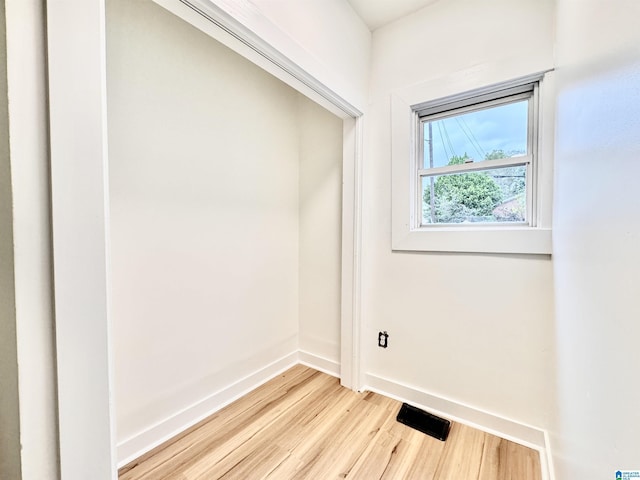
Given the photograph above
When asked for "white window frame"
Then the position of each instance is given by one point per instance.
(430, 112)
(446, 94)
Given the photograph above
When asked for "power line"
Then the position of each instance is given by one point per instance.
(470, 136)
(446, 134)
(444, 146)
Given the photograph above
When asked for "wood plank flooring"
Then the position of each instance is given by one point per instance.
(304, 425)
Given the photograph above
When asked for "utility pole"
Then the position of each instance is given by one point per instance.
(431, 180)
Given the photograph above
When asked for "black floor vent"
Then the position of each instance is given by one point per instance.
(424, 421)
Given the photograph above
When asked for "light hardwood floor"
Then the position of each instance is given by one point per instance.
(304, 425)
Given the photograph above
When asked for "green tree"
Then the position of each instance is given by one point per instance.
(511, 180)
(463, 196)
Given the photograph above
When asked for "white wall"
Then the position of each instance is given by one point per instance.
(204, 214)
(225, 213)
(596, 238)
(9, 405)
(320, 39)
(320, 230)
(332, 34)
(475, 329)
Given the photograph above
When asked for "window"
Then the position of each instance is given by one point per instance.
(472, 168)
(477, 160)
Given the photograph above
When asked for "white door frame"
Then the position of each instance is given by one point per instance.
(80, 217)
(78, 152)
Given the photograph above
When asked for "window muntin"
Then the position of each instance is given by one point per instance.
(475, 160)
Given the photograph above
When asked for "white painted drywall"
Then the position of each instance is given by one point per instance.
(330, 32)
(475, 329)
(28, 137)
(325, 39)
(204, 164)
(379, 13)
(596, 238)
(9, 404)
(320, 230)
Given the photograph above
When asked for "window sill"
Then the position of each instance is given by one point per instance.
(522, 240)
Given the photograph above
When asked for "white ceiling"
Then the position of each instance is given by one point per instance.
(377, 13)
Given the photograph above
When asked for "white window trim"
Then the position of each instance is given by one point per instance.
(515, 239)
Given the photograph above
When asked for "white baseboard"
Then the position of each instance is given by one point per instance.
(139, 444)
(548, 460)
(517, 432)
(511, 430)
(330, 367)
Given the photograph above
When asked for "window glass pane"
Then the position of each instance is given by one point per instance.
(488, 134)
(497, 195)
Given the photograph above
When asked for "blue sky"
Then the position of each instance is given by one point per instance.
(477, 133)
